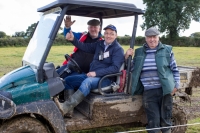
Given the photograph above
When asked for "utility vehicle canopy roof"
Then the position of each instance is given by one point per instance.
(94, 8)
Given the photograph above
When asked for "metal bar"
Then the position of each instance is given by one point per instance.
(101, 21)
(110, 75)
(132, 43)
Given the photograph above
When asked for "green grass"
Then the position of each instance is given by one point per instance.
(194, 128)
(189, 56)
(11, 57)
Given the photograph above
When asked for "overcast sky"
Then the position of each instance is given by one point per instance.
(17, 15)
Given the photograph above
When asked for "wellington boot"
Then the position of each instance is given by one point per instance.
(73, 101)
(67, 107)
(68, 93)
(65, 94)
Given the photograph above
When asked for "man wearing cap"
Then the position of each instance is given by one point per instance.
(108, 58)
(155, 75)
(82, 58)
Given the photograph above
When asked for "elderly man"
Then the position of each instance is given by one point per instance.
(82, 58)
(92, 35)
(156, 76)
(108, 58)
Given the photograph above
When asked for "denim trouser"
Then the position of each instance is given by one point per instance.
(158, 109)
(84, 83)
(61, 69)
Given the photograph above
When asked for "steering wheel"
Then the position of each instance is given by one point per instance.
(74, 65)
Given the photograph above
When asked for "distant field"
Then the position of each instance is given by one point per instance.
(11, 57)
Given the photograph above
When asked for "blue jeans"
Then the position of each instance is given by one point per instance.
(158, 109)
(84, 83)
(65, 74)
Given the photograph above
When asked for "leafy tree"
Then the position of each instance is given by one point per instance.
(30, 30)
(60, 32)
(61, 28)
(171, 16)
(19, 34)
(196, 34)
(2, 34)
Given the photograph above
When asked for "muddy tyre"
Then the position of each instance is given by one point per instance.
(179, 117)
(23, 125)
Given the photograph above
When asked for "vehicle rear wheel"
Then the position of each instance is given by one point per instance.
(23, 125)
(179, 117)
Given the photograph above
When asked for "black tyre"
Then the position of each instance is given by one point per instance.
(179, 117)
(23, 125)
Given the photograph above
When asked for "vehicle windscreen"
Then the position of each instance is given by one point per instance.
(39, 42)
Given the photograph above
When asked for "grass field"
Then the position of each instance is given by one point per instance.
(11, 58)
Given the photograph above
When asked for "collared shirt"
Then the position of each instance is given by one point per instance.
(106, 45)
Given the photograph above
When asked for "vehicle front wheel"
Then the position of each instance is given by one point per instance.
(179, 117)
(23, 125)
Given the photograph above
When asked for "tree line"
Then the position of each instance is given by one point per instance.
(125, 40)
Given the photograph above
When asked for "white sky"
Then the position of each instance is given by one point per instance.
(17, 15)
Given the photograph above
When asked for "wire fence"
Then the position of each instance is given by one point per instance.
(142, 130)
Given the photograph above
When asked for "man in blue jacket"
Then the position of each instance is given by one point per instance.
(156, 76)
(108, 58)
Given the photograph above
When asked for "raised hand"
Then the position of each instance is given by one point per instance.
(68, 21)
(70, 36)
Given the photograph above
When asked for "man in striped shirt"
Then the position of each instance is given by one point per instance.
(156, 77)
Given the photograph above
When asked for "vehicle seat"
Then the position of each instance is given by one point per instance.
(113, 87)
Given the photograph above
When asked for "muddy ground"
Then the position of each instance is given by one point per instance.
(192, 104)
(192, 108)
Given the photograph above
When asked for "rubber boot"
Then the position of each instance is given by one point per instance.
(68, 93)
(65, 94)
(73, 101)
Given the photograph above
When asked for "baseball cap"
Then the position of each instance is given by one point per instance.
(112, 27)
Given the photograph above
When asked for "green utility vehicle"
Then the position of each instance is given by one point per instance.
(28, 95)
